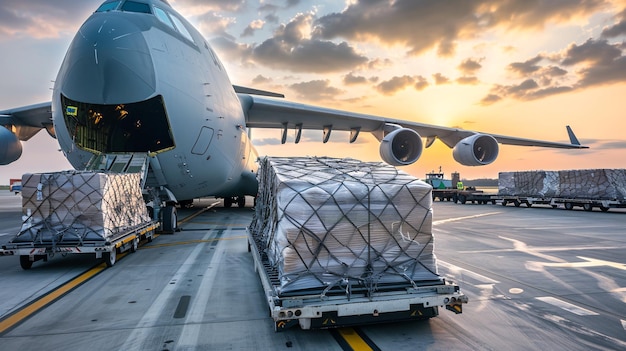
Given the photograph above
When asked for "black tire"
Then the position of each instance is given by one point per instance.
(603, 209)
(135, 245)
(110, 257)
(516, 203)
(504, 202)
(25, 262)
(568, 205)
(462, 199)
(588, 207)
(241, 201)
(169, 219)
(529, 205)
(228, 202)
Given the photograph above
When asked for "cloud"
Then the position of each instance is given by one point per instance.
(422, 26)
(440, 79)
(252, 27)
(616, 29)
(395, 84)
(470, 66)
(316, 90)
(41, 18)
(260, 79)
(592, 63)
(291, 49)
(266, 141)
(351, 79)
(467, 80)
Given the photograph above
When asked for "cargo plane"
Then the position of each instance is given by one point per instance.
(141, 89)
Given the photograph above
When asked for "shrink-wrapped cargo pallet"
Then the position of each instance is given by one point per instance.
(597, 184)
(326, 223)
(74, 206)
(529, 183)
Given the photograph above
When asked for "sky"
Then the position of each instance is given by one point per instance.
(512, 67)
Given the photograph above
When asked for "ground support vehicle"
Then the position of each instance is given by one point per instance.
(345, 306)
(128, 240)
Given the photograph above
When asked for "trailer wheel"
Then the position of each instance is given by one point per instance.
(569, 205)
(516, 203)
(25, 262)
(588, 207)
(603, 209)
(170, 219)
(529, 205)
(135, 245)
(504, 202)
(228, 202)
(462, 199)
(110, 257)
(554, 206)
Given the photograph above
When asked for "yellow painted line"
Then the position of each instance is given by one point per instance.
(153, 246)
(354, 340)
(48, 298)
(190, 217)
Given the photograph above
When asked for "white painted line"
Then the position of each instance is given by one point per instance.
(567, 306)
(456, 269)
(443, 221)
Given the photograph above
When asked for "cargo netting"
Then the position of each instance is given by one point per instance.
(72, 207)
(326, 223)
(605, 184)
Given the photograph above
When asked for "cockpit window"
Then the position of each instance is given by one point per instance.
(163, 17)
(134, 6)
(181, 28)
(108, 6)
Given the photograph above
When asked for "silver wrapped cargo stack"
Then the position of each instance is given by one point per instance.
(75, 206)
(340, 223)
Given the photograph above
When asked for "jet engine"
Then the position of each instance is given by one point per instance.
(10, 147)
(476, 150)
(401, 147)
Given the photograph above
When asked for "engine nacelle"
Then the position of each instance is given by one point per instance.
(476, 150)
(401, 147)
(10, 147)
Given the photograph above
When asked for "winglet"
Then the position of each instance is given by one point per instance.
(572, 136)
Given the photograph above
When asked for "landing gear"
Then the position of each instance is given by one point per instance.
(169, 219)
(229, 201)
(241, 201)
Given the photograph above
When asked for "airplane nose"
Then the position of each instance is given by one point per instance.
(109, 61)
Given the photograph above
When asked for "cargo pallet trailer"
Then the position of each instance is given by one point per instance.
(351, 305)
(568, 203)
(128, 240)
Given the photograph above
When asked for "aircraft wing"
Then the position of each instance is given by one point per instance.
(28, 120)
(275, 113)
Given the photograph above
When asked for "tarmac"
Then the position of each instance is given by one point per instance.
(537, 279)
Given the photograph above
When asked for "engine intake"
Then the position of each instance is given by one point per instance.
(10, 147)
(476, 150)
(401, 147)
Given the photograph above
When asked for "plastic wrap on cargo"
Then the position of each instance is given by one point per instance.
(529, 183)
(600, 184)
(593, 184)
(76, 206)
(327, 222)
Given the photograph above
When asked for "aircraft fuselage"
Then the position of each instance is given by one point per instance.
(137, 82)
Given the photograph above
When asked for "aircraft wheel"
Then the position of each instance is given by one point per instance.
(25, 262)
(228, 202)
(110, 257)
(241, 201)
(170, 219)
